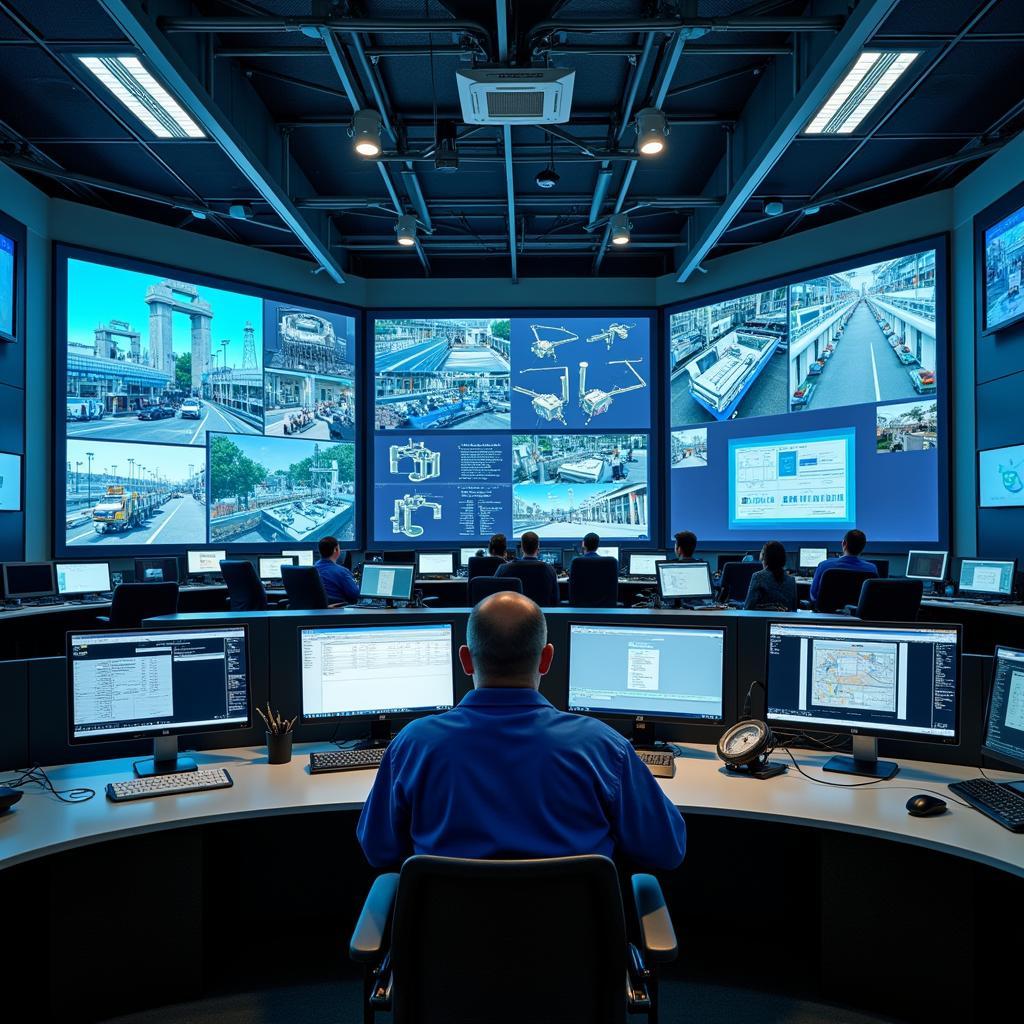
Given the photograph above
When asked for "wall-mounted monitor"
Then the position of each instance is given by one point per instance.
(8, 287)
(10, 482)
(1001, 477)
(1004, 262)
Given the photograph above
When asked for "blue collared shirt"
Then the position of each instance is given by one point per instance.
(842, 562)
(339, 584)
(505, 774)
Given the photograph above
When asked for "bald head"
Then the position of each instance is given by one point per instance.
(506, 642)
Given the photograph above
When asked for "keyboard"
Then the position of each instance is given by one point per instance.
(1003, 805)
(169, 785)
(661, 762)
(323, 761)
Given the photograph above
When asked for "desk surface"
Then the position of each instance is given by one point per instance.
(39, 825)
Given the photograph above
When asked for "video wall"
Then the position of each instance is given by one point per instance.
(813, 405)
(497, 423)
(197, 411)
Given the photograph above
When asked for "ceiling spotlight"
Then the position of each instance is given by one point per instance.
(366, 128)
(810, 211)
(621, 229)
(773, 207)
(547, 178)
(240, 211)
(446, 149)
(651, 129)
(405, 229)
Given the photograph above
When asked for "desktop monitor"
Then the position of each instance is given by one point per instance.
(204, 563)
(869, 681)
(390, 582)
(270, 566)
(927, 565)
(642, 563)
(609, 551)
(465, 554)
(28, 579)
(667, 673)
(811, 558)
(1004, 728)
(375, 672)
(436, 563)
(159, 683)
(82, 578)
(985, 577)
(686, 580)
(156, 570)
(302, 557)
(554, 558)
(398, 557)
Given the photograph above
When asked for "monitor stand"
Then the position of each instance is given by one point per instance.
(863, 762)
(165, 760)
(381, 732)
(644, 736)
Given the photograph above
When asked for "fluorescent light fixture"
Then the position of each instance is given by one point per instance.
(405, 230)
(620, 229)
(366, 128)
(127, 78)
(873, 74)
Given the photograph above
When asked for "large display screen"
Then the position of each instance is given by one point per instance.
(196, 410)
(1001, 477)
(1004, 261)
(813, 405)
(7, 287)
(499, 423)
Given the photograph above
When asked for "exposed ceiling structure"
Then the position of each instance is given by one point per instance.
(272, 86)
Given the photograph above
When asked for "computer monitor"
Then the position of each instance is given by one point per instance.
(436, 563)
(555, 558)
(867, 680)
(664, 673)
(882, 565)
(204, 562)
(1004, 728)
(75, 578)
(687, 580)
(927, 565)
(609, 551)
(156, 570)
(811, 558)
(724, 560)
(642, 563)
(159, 683)
(270, 565)
(397, 557)
(303, 556)
(376, 672)
(28, 579)
(465, 554)
(986, 577)
(390, 582)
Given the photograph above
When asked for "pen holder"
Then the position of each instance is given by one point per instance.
(279, 748)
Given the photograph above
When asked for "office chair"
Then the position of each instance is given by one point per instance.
(483, 586)
(539, 584)
(245, 589)
(840, 587)
(735, 583)
(889, 600)
(508, 941)
(594, 582)
(304, 588)
(134, 602)
(483, 565)
(882, 565)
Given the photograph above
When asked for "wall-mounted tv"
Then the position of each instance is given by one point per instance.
(8, 287)
(1001, 477)
(10, 482)
(1004, 262)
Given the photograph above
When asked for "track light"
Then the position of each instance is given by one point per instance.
(773, 207)
(621, 229)
(446, 149)
(240, 211)
(405, 229)
(651, 129)
(366, 128)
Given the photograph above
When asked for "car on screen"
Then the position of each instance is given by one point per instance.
(191, 409)
(156, 412)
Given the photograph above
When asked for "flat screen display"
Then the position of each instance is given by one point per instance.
(83, 577)
(8, 290)
(1004, 260)
(10, 482)
(927, 565)
(204, 563)
(1001, 477)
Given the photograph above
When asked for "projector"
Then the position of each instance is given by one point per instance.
(502, 95)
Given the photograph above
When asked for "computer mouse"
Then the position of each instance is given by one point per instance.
(925, 806)
(8, 798)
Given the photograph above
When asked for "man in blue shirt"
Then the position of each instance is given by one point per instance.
(853, 544)
(591, 542)
(339, 584)
(504, 774)
(540, 581)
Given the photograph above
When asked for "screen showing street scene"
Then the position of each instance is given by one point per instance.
(728, 359)
(6, 287)
(864, 335)
(690, 448)
(907, 427)
(1004, 260)
(268, 490)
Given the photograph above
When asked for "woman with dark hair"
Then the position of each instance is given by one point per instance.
(772, 589)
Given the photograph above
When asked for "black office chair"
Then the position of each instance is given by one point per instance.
(840, 587)
(510, 941)
(483, 565)
(736, 581)
(538, 584)
(483, 586)
(304, 588)
(882, 565)
(245, 589)
(594, 582)
(889, 600)
(134, 602)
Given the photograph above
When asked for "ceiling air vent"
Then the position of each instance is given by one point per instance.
(515, 95)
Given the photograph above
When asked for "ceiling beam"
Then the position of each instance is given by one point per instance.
(501, 13)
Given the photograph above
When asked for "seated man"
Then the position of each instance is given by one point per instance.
(686, 544)
(339, 584)
(497, 547)
(853, 544)
(504, 774)
(589, 545)
(540, 581)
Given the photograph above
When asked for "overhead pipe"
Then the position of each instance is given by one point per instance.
(552, 201)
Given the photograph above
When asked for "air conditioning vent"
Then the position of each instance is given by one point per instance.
(515, 95)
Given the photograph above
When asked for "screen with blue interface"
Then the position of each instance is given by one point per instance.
(393, 582)
(1004, 735)
(8, 294)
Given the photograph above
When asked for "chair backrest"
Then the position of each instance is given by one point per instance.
(483, 565)
(304, 587)
(840, 587)
(594, 582)
(134, 602)
(483, 586)
(890, 600)
(245, 589)
(736, 578)
(538, 584)
(509, 940)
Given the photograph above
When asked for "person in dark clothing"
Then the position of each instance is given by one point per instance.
(771, 588)
(686, 544)
(540, 581)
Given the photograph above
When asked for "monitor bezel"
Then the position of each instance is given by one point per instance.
(785, 726)
(923, 551)
(71, 593)
(433, 554)
(998, 755)
(389, 597)
(160, 730)
(988, 593)
(683, 597)
(986, 327)
(35, 593)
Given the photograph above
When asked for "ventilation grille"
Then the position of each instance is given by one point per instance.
(500, 95)
(515, 104)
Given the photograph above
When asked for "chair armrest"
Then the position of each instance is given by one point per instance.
(657, 935)
(850, 609)
(374, 922)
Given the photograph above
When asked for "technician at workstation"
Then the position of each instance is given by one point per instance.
(854, 543)
(686, 545)
(339, 584)
(539, 584)
(589, 545)
(772, 588)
